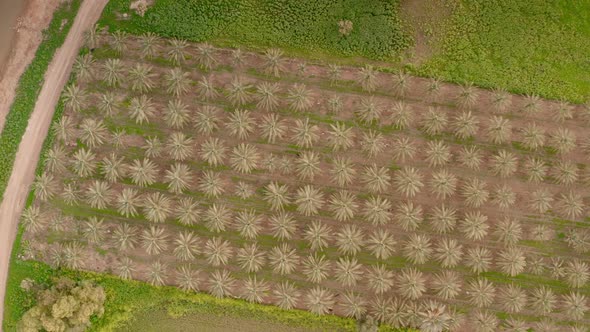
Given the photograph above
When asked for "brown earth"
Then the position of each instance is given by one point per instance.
(30, 146)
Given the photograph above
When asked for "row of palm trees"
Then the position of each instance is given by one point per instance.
(177, 52)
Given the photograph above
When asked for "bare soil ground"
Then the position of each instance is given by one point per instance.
(28, 35)
(30, 146)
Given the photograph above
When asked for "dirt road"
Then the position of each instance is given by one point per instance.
(27, 156)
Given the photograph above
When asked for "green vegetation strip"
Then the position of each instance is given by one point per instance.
(29, 87)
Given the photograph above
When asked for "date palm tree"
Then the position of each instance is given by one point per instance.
(217, 251)
(511, 261)
(504, 164)
(369, 111)
(577, 273)
(401, 116)
(94, 230)
(499, 130)
(575, 305)
(443, 219)
(141, 78)
(501, 100)
(176, 54)
(478, 259)
(563, 140)
(535, 169)
(143, 172)
(411, 284)
(403, 149)
(340, 137)
(240, 124)
(509, 231)
(217, 217)
(350, 240)
(335, 104)
(513, 298)
(566, 172)
(481, 292)
(273, 62)
(125, 237)
(268, 98)
(153, 147)
(348, 271)
(207, 89)
(98, 194)
(447, 284)
(187, 211)
(32, 219)
(73, 255)
(372, 143)
(309, 200)
(434, 122)
(485, 321)
(368, 78)
(342, 171)
(417, 248)
(272, 128)
(244, 158)
(254, 290)
(112, 168)
(84, 162)
(470, 157)
(541, 200)
(282, 225)
(408, 216)
(157, 207)
(206, 56)
(154, 240)
(286, 295)
(244, 190)
(119, 41)
(437, 153)
(186, 246)
(187, 278)
(381, 244)
(74, 98)
(93, 132)
(113, 74)
(206, 120)
(316, 268)
(108, 103)
(283, 259)
(83, 67)
(64, 129)
(238, 93)
(343, 205)
(434, 87)
(319, 300)
(251, 258)
(55, 160)
(533, 137)
(543, 300)
(299, 98)
(318, 235)
(277, 196)
(221, 283)
(475, 193)
(125, 268)
(571, 204)
(443, 184)
(179, 146)
(142, 109)
(334, 73)
(467, 97)
(45, 186)
(127, 202)
(380, 279)
(377, 210)
(177, 82)
(305, 134)
(465, 125)
(176, 114)
(248, 224)
(448, 252)
(376, 179)
(148, 44)
(213, 151)
(354, 305)
(408, 181)
(474, 226)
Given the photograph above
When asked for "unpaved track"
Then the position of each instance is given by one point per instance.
(27, 156)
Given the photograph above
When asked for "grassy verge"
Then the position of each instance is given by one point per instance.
(29, 87)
